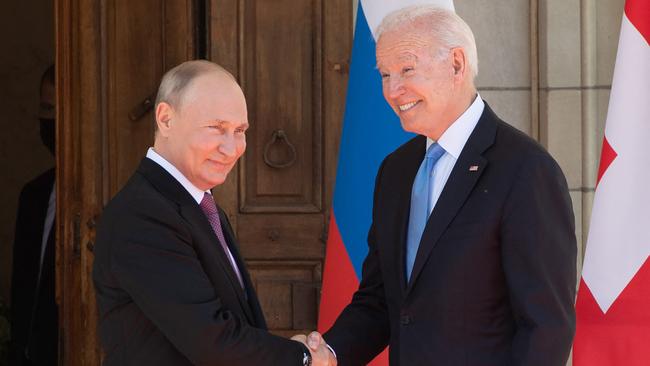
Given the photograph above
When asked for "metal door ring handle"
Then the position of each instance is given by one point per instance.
(281, 136)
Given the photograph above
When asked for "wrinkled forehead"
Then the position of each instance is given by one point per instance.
(403, 45)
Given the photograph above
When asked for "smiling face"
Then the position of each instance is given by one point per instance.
(205, 135)
(426, 92)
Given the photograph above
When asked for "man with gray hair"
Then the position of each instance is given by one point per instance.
(472, 251)
(171, 286)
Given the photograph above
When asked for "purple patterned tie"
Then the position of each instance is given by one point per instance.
(210, 210)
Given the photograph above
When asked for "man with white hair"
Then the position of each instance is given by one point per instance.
(472, 251)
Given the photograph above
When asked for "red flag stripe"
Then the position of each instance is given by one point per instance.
(638, 12)
(339, 279)
(606, 157)
(339, 283)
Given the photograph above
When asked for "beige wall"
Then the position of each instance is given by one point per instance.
(27, 39)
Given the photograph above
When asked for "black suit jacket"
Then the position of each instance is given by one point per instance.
(495, 275)
(31, 321)
(166, 292)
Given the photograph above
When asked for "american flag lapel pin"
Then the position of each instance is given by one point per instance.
(473, 168)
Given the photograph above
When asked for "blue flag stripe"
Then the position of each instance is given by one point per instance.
(371, 130)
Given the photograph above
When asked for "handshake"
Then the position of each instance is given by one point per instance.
(321, 353)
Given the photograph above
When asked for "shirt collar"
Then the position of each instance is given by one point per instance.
(454, 138)
(193, 190)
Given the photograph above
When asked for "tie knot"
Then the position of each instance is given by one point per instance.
(435, 151)
(207, 204)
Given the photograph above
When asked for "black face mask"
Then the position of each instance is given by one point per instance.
(47, 133)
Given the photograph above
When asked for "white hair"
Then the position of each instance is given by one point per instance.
(444, 26)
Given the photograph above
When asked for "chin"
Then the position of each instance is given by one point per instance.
(215, 181)
(410, 127)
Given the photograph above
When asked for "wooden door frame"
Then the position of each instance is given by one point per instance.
(79, 175)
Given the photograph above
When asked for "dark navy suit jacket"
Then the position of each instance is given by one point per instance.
(166, 292)
(495, 274)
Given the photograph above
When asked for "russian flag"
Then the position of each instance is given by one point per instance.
(371, 130)
(613, 321)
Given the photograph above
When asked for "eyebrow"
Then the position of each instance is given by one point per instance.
(220, 123)
(403, 58)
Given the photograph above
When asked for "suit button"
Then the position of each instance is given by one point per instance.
(405, 320)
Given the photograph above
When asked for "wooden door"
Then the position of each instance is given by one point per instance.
(291, 58)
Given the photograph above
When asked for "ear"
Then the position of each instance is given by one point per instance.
(459, 63)
(164, 116)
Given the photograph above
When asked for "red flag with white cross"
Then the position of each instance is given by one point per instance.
(613, 305)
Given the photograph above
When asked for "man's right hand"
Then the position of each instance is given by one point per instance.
(320, 353)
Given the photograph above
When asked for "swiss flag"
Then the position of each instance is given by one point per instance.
(613, 306)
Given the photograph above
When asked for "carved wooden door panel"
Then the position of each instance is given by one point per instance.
(291, 58)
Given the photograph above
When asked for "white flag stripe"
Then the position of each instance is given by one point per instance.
(376, 10)
(619, 235)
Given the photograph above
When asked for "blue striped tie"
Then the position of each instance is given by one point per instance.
(420, 204)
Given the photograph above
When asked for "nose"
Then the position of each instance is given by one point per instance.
(393, 88)
(228, 146)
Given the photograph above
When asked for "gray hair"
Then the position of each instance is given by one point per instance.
(443, 25)
(175, 81)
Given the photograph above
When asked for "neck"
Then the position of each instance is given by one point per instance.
(456, 110)
(160, 149)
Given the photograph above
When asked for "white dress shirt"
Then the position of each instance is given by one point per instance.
(453, 141)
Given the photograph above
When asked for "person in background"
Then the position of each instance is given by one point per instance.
(34, 312)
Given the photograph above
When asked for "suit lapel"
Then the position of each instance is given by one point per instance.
(457, 189)
(191, 212)
(209, 241)
(248, 284)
